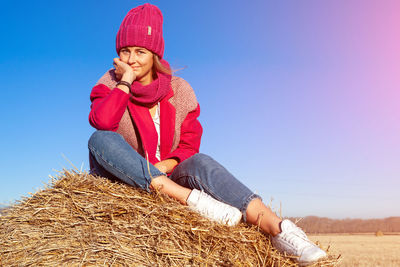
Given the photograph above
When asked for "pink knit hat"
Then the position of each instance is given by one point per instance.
(142, 26)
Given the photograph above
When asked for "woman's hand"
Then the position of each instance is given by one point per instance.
(161, 167)
(123, 71)
(166, 166)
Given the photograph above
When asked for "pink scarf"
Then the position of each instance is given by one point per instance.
(151, 94)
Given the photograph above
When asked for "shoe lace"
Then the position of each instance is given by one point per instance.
(218, 210)
(297, 238)
(300, 232)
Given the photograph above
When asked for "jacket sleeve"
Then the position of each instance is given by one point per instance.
(191, 131)
(107, 107)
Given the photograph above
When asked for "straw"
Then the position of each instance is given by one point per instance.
(83, 220)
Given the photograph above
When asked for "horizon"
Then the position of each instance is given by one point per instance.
(299, 99)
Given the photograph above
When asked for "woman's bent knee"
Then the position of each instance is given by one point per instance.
(201, 159)
(102, 137)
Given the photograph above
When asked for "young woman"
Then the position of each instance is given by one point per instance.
(148, 136)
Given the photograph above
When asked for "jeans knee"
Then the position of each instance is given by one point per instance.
(100, 137)
(202, 160)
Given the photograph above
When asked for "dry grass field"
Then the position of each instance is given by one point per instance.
(362, 249)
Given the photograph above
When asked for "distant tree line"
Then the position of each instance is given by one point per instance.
(313, 224)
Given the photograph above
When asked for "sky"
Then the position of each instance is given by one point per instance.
(299, 98)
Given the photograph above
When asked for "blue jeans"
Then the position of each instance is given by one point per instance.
(112, 157)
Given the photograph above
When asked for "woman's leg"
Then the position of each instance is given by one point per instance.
(204, 173)
(172, 189)
(112, 157)
(259, 214)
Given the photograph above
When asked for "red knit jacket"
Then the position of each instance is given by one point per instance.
(180, 131)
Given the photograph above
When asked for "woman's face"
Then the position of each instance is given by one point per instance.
(141, 61)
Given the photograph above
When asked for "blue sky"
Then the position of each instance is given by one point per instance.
(299, 99)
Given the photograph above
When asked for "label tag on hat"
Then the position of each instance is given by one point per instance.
(148, 30)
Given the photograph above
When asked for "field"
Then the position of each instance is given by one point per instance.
(362, 249)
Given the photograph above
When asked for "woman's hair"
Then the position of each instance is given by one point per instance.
(158, 67)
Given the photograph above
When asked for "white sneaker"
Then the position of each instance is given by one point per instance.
(295, 242)
(213, 209)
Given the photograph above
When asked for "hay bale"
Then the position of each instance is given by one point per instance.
(379, 233)
(84, 220)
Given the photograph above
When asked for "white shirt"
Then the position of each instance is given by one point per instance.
(156, 120)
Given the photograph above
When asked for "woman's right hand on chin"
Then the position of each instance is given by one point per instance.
(123, 71)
